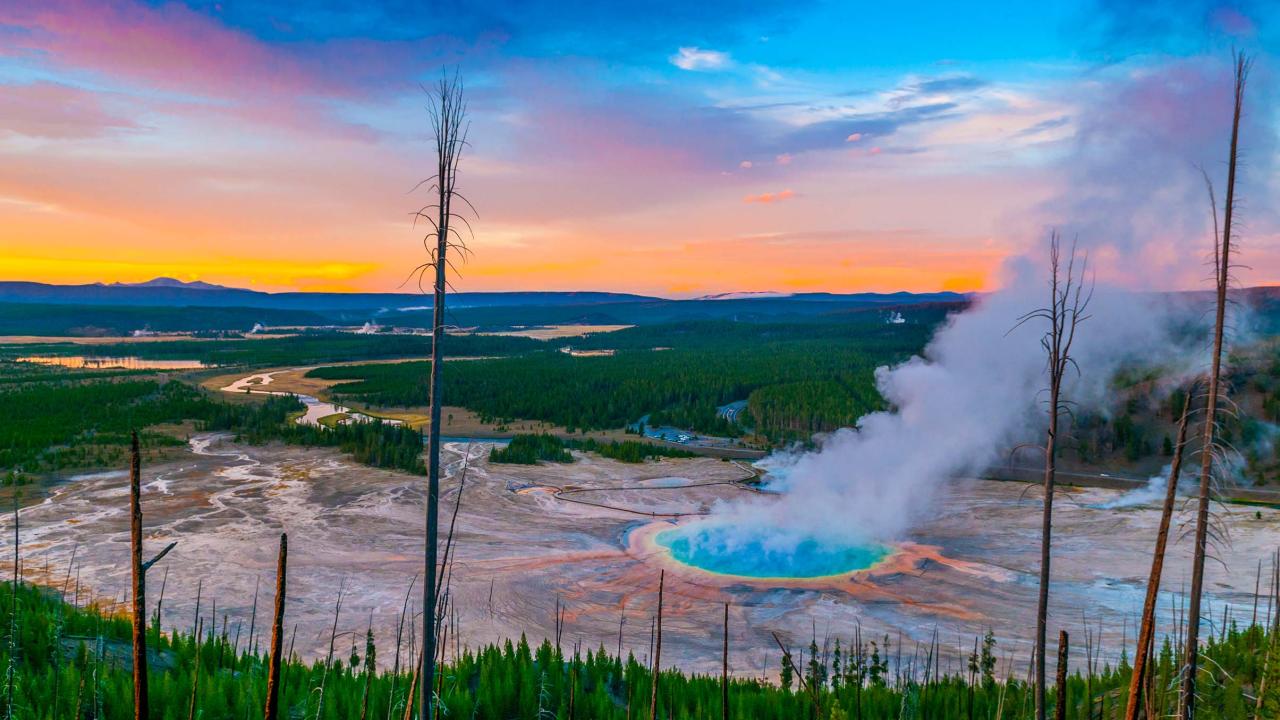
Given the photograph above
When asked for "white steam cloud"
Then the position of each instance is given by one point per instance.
(1134, 196)
(955, 410)
(1153, 493)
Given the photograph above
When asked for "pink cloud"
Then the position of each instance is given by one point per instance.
(783, 159)
(206, 68)
(855, 137)
(769, 197)
(170, 47)
(177, 49)
(50, 110)
(564, 121)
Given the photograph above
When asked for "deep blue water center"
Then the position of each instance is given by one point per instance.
(731, 550)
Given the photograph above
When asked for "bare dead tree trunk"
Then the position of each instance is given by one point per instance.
(253, 617)
(1150, 698)
(446, 572)
(653, 623)
(448, 120)
(1065, 312)
(724, 669)
(973, 677)
(195, 672)
(368, 669)
(328, 658)
(196, 620)
(395, 668)
(1146, 632)
(1060, 683)
(1187, 704)
(573, 684)
(159, 616)
(1257, 589)
(657, 651)
(558, 620)
(413, 688)
(11, 670)
(140, 706)
(1273, 631)
(277, 633)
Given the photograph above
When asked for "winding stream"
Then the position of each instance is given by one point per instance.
(316, 408)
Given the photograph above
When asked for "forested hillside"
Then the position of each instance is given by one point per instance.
(798, 379)
(56, 419)
(66, 420)
(1138, 427)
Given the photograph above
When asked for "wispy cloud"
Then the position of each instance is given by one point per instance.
(1044, 126)
(693, 58)
(855, 127)
(946, 88)
(55, 111)
(769, 198)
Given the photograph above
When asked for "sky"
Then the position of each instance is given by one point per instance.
(668, 148)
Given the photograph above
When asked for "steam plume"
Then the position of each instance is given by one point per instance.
(1134, 197)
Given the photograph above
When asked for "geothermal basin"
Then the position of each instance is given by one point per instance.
(592, 537)
(755, 554)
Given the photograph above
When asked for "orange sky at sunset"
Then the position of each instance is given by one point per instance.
(297, 227)
(761, 151)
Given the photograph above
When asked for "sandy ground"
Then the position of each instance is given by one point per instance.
(521, 545)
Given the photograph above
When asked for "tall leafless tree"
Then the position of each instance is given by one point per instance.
(1060, 682)
(724, 669)
(1209, 449)
(369, 668)
(139, 573)
(1146, 630)
(12, 668)
(657, 652)
(395, 668)
(140, 707)
(448, 115)
(277, 633)
(1068, 306)
(195, 674)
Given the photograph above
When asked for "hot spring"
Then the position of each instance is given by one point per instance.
(757, 553)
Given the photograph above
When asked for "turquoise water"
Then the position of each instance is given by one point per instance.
(730, 550)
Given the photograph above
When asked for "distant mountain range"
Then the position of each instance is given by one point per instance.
(168, 282)
(896, 298)
(170, 292)
(171, 305)
(163, 303)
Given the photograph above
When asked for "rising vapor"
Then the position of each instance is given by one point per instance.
(1134, 197)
